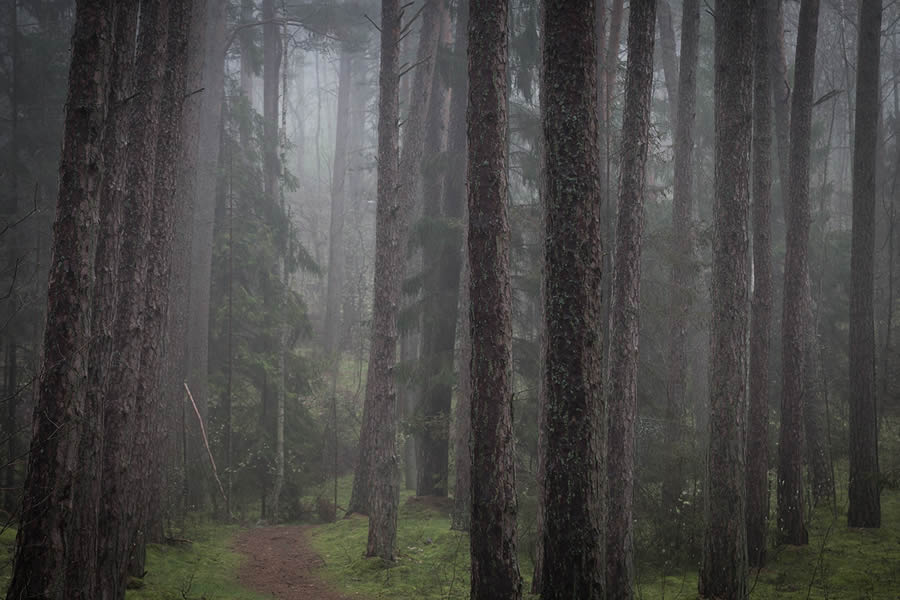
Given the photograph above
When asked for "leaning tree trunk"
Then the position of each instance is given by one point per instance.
(623, 363)
(796, 271)
(41, 560)
(761, 317)
(493, 539)
(723, 572)
(573, 419)
(865, 503)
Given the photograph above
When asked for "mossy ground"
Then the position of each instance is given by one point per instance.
(841, 563)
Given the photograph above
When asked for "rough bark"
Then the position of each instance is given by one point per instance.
(623, 362)
(796, 272)
(761, 306)
(53, 470)
(439, 307)
(392, 233)
(493, 539)
(129, 400)
(160, 345)
(378, 463)
(683, 282)
(455, 268)
(201, 249)
(865, 502)
(574, 416)
(723, 572)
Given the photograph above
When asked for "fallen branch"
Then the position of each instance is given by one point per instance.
(212, 461)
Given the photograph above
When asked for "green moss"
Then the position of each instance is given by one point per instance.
(207, 568)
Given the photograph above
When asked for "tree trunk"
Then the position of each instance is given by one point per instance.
(684, 270)
(781, 94)
(574, 416)
(723, 572)
(377, 452)
(493, 538)
(455, 268)
(761, 307)
(669, 58)
(392, 232)
(865, 502)
(129, 397)
(201, 249)
(336, 230)
(41, 564)
(622, 400)
(796, 272)
(438, 315)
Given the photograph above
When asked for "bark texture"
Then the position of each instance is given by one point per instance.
(761, 317)
(391, 238)
(41, 563)
(796, 271)
(573, 420)
(865, 502)
(623, 361)
(723, 572)
(381, 396)
(493, 538)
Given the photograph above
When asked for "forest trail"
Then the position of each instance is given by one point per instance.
(281, 562)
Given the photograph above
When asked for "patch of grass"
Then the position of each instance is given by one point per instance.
(433, 562)
(839, 562)
(206, 569)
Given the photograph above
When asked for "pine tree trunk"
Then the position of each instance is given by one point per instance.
(761, 307)
(455, 268)
(377, 462)
(438, 315)
(493, 539)
(723, 572)
(622, 400)
(683, 268)
(41, 564)
(392, 232)
(336, 229)
(574, 416)
(669, 58)
(865, 502)
(796, 272)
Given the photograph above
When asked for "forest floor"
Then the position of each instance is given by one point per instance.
(280, 561)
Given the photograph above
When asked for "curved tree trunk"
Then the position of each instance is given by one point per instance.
(623, 363)
(723, 572)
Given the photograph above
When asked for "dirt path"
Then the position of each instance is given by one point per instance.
(281, 562)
